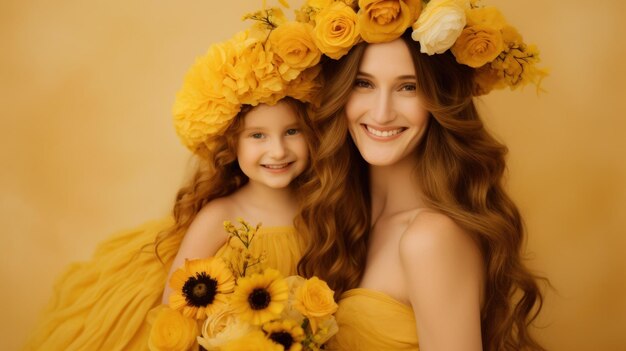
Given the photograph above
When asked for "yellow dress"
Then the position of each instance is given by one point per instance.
(373, 321)
(102, 304)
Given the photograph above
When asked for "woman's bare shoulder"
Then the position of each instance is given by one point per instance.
(434, 232)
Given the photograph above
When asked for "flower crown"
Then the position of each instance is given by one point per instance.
(271, 60)
(478, 36)
(277, 57)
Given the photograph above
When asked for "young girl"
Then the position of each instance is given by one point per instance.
(243, 112)
(269, 150)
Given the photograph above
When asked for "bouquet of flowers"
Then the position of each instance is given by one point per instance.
(238, 304)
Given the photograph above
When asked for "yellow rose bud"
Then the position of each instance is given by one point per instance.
(336, 30)
(293, 43)
(477, 45)
(385, 20)
(171, 331)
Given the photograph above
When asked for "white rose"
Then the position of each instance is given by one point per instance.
(439, 25)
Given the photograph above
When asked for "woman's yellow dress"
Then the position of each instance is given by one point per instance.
(102, 304)
(373, 321)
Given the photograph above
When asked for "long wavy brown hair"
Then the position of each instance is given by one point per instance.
(459, 167)
(217, 171)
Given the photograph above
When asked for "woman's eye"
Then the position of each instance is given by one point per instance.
(362, 83)
(408, 87)
(292, 131)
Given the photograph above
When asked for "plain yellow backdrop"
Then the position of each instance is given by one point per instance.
(88, 148)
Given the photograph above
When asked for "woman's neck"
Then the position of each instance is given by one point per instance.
(394, 189)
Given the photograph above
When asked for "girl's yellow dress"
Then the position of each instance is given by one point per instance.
(373, 321)
(102, 304)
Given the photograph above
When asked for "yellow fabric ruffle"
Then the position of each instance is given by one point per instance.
(102, 304)
(373, 321)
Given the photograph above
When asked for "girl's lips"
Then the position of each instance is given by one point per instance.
(278, 167)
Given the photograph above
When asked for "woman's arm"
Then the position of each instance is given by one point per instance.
(444, 274)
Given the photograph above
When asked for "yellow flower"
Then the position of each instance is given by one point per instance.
(171, 331)
(261, 75)
(315, 300)
(487, 16)
(518, 67)
(222, 327)
(385, 20)
(254, 341)
(511, 37)
(306, 86)
(439, 25)
(293, 43)
(478, 45)
(202, 107)
(336, 30)
(200, 286)
(287, 333)
(260, 297)
(266, 19)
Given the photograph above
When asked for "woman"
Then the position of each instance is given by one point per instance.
(429, 242)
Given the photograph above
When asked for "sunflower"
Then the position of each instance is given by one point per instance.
(287, 333)
(260, 297)
(199, 287)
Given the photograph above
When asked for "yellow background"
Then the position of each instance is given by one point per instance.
(87, 146)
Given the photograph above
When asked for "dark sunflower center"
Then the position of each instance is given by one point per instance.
(282, 338)
(200, 291)
(259, 299)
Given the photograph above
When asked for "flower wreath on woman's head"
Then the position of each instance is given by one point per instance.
(478, 36)
(278, 57)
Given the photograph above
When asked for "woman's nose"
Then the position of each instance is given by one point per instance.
(383, 111)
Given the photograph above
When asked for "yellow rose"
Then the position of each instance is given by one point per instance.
(171, 331)
(315, 300)
(293, 44)
(478, 45)
(439, 25)
(336, 30)
(221, 327)
(385, 20)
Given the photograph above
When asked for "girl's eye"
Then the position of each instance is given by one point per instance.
(292, 131)
(257, 135)
(362, 83)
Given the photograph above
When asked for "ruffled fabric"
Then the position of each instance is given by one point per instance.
(102, 304)
(373, 321)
